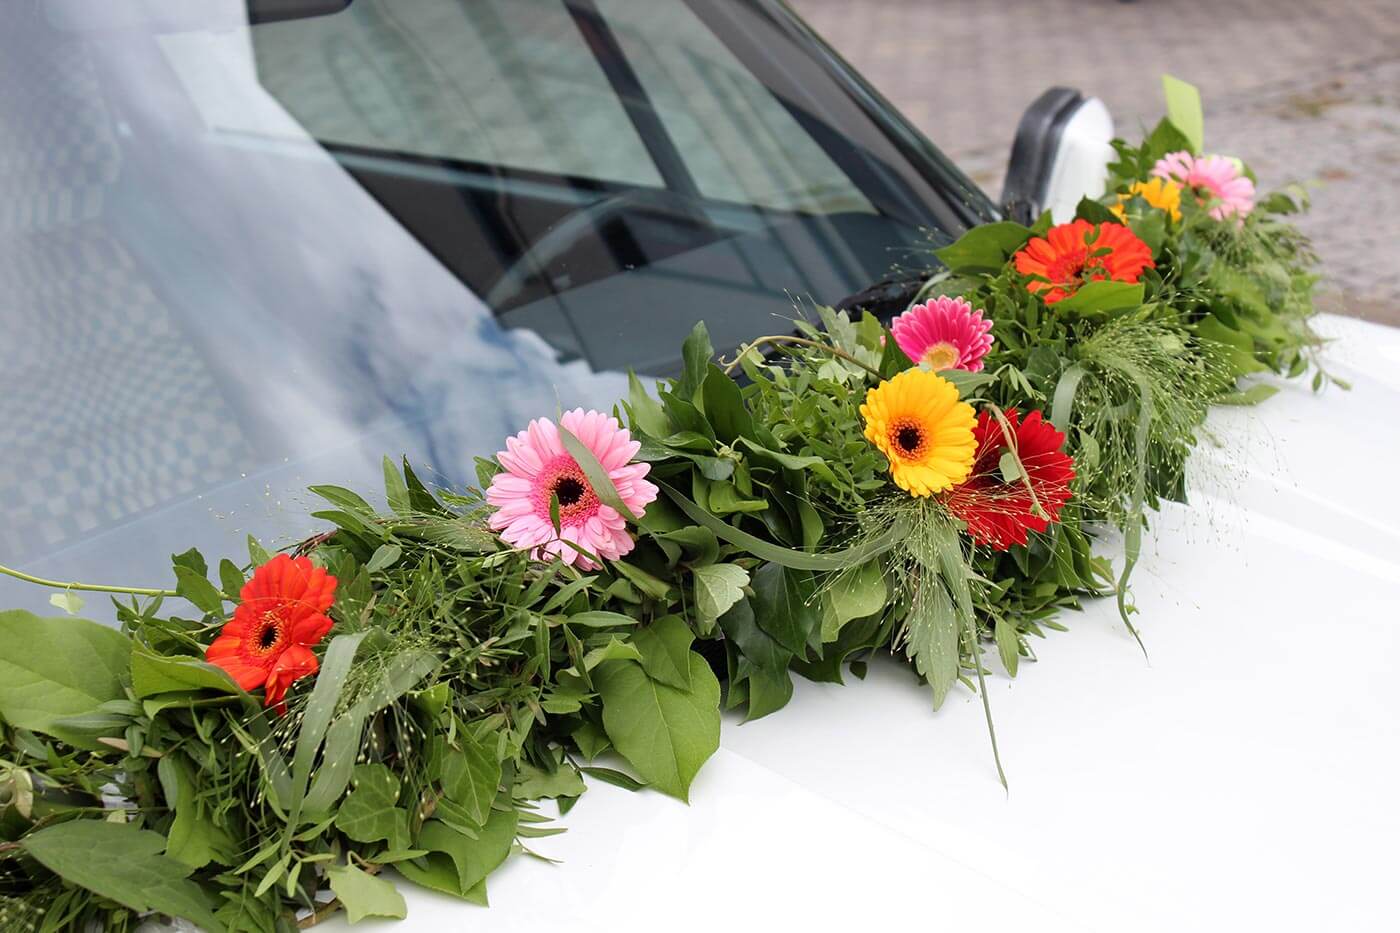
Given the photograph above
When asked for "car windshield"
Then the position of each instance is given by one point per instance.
(250, 244)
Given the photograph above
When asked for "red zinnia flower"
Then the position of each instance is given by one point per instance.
(282, 613)
(1000, 514)
(1072, 254)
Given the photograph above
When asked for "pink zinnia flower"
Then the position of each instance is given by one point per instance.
(944, 333)
(1231, 191)
(537, 468)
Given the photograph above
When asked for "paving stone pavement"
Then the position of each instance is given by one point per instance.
(1303, 90)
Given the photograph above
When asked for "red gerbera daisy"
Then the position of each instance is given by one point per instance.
(1072, 254)
(282, 613)
(999, 514)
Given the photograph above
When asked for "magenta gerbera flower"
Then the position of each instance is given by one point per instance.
(944, 333)
(538, 469)
(1228, 190)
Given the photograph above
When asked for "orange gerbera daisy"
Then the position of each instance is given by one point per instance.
(1073, 254)
(282, 613)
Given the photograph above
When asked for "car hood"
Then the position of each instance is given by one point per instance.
(1242, 771)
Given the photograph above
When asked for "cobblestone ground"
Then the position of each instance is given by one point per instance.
(1303, 90)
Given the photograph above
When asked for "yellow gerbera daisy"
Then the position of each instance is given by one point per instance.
(918, 421)
(1161, 193)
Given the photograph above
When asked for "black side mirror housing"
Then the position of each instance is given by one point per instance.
(1060, 153)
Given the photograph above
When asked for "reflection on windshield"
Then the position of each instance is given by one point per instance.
(207, 308)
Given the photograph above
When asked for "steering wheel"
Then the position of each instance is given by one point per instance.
(562, 237)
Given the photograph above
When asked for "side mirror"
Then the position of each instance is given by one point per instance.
(1060, 154)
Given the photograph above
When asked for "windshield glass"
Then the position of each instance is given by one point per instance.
(250, 244)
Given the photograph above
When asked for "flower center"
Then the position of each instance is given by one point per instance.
(569, 491)
(1068, 270)
(907, 438)
(564, 481)
(940, 356)
(269, 634)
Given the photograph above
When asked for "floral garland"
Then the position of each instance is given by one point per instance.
(402, 690)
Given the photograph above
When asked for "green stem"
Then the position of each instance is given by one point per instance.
(776, 339)
(88, 587)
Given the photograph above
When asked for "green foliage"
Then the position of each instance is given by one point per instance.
(463, 679)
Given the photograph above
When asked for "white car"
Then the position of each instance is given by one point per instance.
(250, 244)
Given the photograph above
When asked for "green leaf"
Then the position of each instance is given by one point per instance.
(347, 500)
(1008, 645)
(196, 588)
(600, 619)
(194, 839)
(1184, 111)
(68, 601)
(455, 533)
(395, 489)
(1010, 467)
(931, 637)
(231, 578)
(1250, 396)
(471, 776)
(1094, 212)
(384, 557)
(533, 783)
(785, 607)
(153, 674)
(665, 650)
(984, 248)
(717, 588)
(369, 812)
(365, 895)
(724, 407)
(57, 667)
(855, 594)
(320, 707)
(647, 413)
(665, 733)
(124, 864)
(800, 560)
(1101, 297)
(257, 554)
(696, 353)
(598, 478)
(472, 859)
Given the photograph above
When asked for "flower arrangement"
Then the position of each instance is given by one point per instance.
(401, 691)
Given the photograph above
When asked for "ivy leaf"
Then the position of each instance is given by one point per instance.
(666, 733)
(471, 859)
(784, 606)
(854, 594)
(365, 895)
(368, 813)
(124, 864)
(717, 588)
(59, 667)
(471, 776)
(665, 650)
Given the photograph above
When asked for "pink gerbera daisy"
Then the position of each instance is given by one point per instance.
(944, 333)
(538, 469)
(1228, 190)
